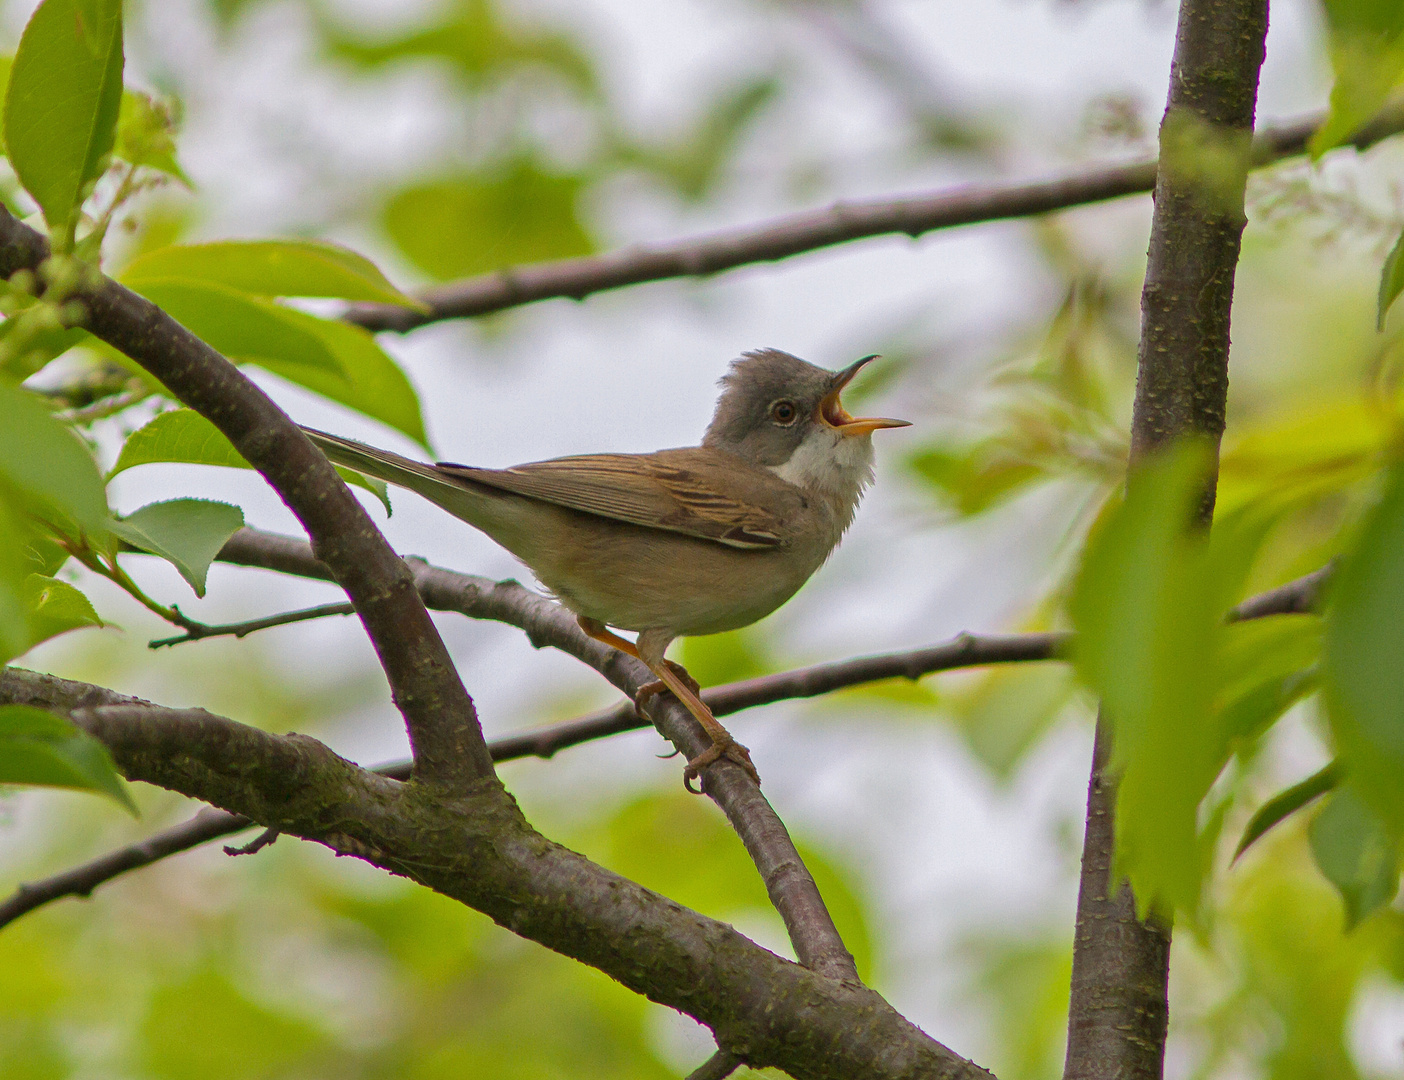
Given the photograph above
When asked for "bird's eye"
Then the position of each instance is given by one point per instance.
(783, 412)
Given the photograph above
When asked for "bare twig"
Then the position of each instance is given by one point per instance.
(717, 1067)
(811, 230)
(195, 631)
(209, 824)
(257, 844)
(1300, 597)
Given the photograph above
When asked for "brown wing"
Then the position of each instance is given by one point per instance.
(695, 491)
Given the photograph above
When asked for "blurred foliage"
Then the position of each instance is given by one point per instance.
(285, 966)
(469, 225)
(290, 966)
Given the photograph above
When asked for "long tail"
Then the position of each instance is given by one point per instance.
(460, 498)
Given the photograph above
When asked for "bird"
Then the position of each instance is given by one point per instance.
(681, 542)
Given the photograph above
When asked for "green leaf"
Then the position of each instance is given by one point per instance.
(180, 435)
(977, 476)
(1367, 55)
(62, 104)
(37, 747)
(1268, 665)
(367, 380)
(16, 631)
(1148, 607)
(145, 135)
(242, 327)
(57, 607)
(695, 160)
(1364, 657)
(183, 436)
(1287, 802)
(472, 224)
(39, 347)
(1391, 281)
(187, 533)
(1356, 853)
(1008, 709)
(40, 546)
(273, 268)
(45, 466)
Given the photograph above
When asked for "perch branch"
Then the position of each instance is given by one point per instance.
(966, 650)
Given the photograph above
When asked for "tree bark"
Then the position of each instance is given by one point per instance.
(1119, 1010)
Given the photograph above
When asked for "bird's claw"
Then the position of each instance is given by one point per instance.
(727, 748)
(658, 686)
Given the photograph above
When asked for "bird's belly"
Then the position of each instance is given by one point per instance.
(635, 578)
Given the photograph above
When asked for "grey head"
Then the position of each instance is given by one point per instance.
(783, 414)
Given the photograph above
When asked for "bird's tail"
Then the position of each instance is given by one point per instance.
(463, 499)
(381, 464)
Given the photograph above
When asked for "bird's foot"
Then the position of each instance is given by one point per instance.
(724, 747)
(658, 686)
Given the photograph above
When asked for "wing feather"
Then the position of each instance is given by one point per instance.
(696, 491)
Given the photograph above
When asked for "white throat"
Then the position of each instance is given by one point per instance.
(837, 465)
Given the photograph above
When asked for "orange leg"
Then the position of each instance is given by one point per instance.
(674, 677)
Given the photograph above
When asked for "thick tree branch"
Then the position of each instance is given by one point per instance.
(812, 230)
(1119, 1011)
(444, 732)
(475, 846)
(967, 650)
(788, 881)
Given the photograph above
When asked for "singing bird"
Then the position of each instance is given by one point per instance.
(689, 541)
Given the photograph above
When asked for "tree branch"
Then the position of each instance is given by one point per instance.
(788, 881)
(443, 726)
(812, 230)
(717, 1067)
(1300, 597)
(1119, 1011)
(197, 631)
(966, 650)
(474, 846)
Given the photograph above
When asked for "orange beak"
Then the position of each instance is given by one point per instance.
(832, 412)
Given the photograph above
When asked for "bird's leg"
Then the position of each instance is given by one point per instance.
(651, 646)
(597, 630)
(674, 677)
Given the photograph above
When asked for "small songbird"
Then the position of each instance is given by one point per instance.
(695, 540)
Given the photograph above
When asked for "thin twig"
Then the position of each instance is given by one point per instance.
(195, 631)
(717, 1067)
(257, 844)
(811, 230)
(791, 887)
(1300, 597)
(209, 824)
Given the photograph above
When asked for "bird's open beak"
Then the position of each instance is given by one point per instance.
(832, 412)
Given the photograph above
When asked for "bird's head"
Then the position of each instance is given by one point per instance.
(784, 414)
